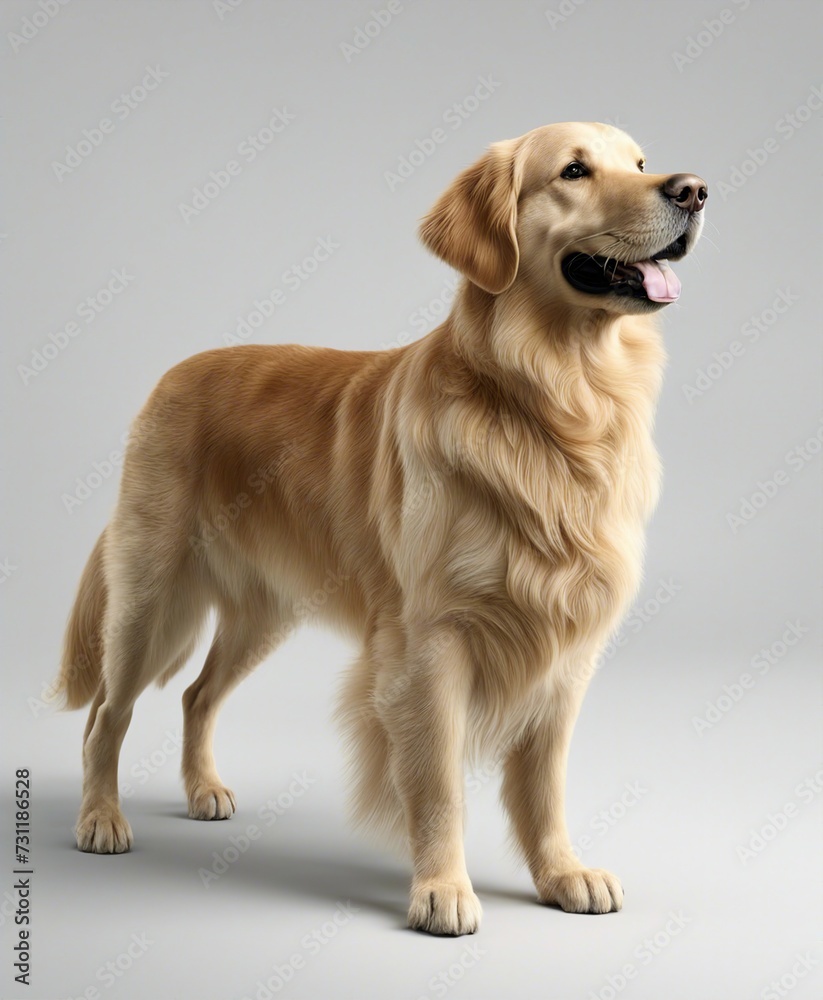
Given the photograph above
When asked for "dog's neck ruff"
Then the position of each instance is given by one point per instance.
(580, 374)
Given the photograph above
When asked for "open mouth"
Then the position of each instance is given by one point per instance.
(651, 279)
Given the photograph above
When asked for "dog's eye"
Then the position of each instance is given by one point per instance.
(641, 165)
(573, 171)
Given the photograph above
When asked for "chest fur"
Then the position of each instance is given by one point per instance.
(562, 525)
(539, 486)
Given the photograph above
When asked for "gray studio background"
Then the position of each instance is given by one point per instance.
(716, 822)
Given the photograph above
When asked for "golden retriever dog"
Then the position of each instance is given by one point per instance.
(469, 507)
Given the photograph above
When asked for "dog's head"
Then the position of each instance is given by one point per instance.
(569, 210)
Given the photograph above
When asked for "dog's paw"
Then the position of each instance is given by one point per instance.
(103, 830)
(444, 908)
(581, 890)
(211, 802)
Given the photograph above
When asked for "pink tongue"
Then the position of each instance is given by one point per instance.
(659, 280)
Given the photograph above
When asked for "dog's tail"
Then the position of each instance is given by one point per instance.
(82, 662)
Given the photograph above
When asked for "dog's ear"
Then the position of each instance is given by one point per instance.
(472, 225)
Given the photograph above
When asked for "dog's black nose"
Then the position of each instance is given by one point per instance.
(687, 191)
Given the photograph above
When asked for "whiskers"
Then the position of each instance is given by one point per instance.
(577, 239)
(608, 252)
(707, 239)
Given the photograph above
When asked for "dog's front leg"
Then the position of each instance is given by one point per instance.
(426, 719)
(534, 786)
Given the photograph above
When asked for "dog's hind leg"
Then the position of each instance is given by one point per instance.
(243, 639)
(153, 613)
